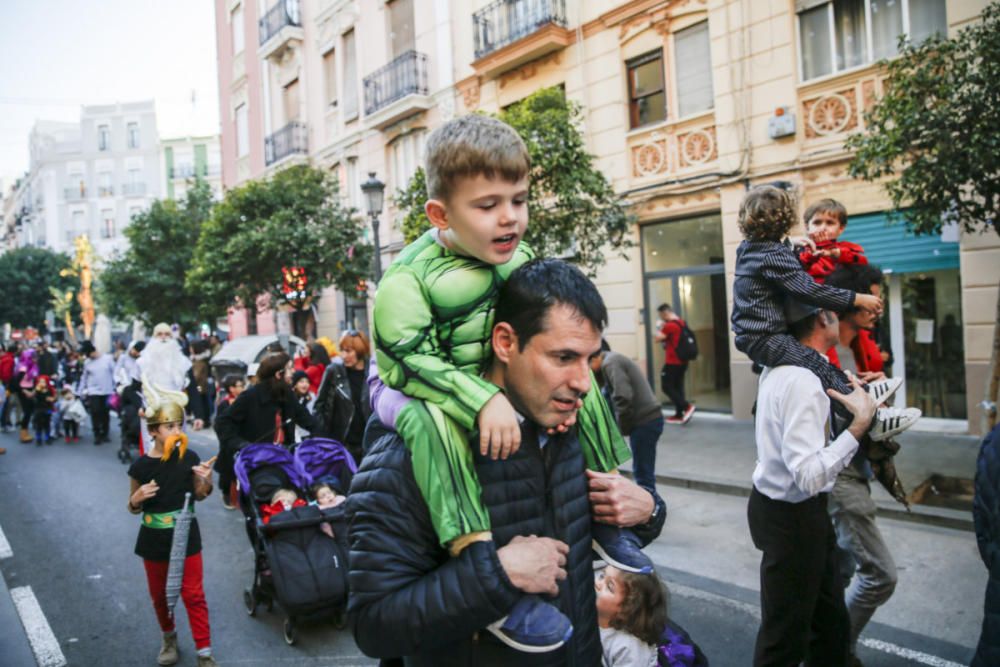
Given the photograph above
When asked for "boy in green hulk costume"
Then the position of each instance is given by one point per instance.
(432, 324)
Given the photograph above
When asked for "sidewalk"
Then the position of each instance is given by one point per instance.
(717, 453)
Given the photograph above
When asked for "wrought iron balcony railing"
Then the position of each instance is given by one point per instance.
(406, 75)
(285, 13)
(505, 21)
(292, 138)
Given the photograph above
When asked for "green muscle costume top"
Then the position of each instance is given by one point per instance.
(433, 322)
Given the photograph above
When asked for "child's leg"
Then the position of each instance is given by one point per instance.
(193, 595)
(444, 472)
(785, 350)
(156, 579)
(603, 446)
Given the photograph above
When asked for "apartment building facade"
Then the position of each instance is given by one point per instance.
(88, 178)
(183, 159)
(686, 104)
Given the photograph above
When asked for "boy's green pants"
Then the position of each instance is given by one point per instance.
(442, 459)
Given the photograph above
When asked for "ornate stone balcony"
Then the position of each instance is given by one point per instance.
(509, 33)
(280, 29)
(397, 90)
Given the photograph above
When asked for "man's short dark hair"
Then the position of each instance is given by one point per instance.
(230, 380)
(534, 288)
(855, 277)
(662, 307)
(802, 329)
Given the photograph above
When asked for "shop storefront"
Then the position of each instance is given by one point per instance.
(683, 266)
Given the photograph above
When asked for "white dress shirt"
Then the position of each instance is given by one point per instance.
(793, 461)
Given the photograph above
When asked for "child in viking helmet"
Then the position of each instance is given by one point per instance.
(159, 481)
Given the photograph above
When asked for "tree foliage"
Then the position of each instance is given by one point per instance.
(574, 211)
(936, 128)
(293, 219)
(146, 282)
(26, 276)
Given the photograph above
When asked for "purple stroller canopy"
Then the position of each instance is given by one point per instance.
(316, 458)
(260, 454)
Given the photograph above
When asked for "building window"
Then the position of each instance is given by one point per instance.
(290, 95)
(352, 184)
(242, 131)
(694, 77)
(103, 138)
(236, 25)
(104, 188)
(405, 154)
(134, 211)
(132, 130)
(647, 98)
(350, 77)
(401, 36)
(836, 35)
(107, 223)
(330, 77)
(78, 225)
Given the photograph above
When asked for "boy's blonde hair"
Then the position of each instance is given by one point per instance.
(470, 146)
(766, 213)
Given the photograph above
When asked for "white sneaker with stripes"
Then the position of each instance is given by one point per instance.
(892, 421)
(883, 390)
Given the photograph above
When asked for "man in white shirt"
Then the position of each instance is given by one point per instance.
(803, 615)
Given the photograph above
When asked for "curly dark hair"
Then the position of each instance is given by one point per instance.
(643, 613)
(766, 214)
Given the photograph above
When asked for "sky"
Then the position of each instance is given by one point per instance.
(57, 55)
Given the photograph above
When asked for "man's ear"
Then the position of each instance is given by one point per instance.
(504, 341)
(437, 213)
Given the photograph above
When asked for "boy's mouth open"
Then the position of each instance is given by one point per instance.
(505, 243)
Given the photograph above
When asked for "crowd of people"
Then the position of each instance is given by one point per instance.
(489, 522)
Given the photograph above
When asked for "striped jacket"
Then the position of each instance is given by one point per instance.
(767, 274)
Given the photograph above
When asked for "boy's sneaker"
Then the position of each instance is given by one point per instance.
(168, 650)
(892, 421)
(883, 390)
(207, 661)
(533, 626)
(688, 411)
(675, 420)
(620, 547)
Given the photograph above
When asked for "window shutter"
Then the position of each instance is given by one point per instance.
(891, 248)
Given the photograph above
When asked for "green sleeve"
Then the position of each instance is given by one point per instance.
(409, 354)
(604, 448)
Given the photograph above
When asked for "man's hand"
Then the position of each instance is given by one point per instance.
(617, 500)
(868, 302)
(534, 564)
(859, 403)
(499, 430)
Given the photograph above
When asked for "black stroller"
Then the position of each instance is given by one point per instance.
(295, 563)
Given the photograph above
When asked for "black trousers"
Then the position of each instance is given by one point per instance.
(99, 417)
(803, 614)
(672, 383)
(71, 428)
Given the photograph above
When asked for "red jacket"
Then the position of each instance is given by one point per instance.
(6, 367)
(820, 267)
(270, 509)
(672, 330)
(867, 356)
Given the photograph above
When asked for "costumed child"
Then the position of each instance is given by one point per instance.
(768, 276)
(159, 481)
(26, 372)
(73, 414)
(45, 400)
(282, 500)
(432, 325)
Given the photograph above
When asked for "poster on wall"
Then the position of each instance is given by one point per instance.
(925, 331)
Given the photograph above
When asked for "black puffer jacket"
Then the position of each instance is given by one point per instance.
(986, 512)
(408, 598)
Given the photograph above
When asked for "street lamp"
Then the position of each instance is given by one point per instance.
(374, 190)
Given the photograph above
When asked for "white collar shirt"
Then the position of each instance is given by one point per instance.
(794, 462)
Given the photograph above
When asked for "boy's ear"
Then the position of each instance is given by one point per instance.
(437, 213)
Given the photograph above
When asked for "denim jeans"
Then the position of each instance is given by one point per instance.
(642, 440)
(865, 556)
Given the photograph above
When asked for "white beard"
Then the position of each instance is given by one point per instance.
(163, 362)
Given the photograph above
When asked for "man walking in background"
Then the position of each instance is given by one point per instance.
(96, 384)
(670, 330)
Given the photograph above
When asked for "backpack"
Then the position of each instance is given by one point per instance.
(677, 649)
(687, 344)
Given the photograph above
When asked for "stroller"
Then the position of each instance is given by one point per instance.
(295, 564)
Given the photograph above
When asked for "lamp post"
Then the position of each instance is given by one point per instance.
(374, 190)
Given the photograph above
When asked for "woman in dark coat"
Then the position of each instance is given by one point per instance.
(265, 412)
(986, 513)
(343, 405)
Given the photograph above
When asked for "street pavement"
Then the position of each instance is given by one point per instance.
(71, 539)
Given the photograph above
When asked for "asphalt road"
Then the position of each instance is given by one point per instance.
(62, 510)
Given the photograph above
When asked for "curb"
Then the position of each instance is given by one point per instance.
(14, 644)
(930, 516)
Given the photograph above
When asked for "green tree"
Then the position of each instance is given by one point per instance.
(932, 138)
(146, 282)
(575, 212)
(294, 218)
(27, 274)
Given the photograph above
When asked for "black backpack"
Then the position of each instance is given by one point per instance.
(687, 344)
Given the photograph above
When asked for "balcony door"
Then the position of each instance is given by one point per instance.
(401, 34)
(290, 96)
